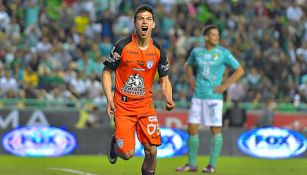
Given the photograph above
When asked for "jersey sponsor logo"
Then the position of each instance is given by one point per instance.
(151, 54)
(141, 63)
(134, 85)
(129, 61)
(207, 56)
(152, 119)
(153, 128)
(150, 63)
(132, 52)
(212, 105)
(164, 67)
(138, 69)
(39, 141)
(272, 143)
(124, 98)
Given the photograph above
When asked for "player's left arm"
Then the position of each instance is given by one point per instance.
(166, 89)
(166, 86)
(230, 61)
(238, 73)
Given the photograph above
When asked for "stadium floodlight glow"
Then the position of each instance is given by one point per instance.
(37, 141)
(272, 143)
(173, 143)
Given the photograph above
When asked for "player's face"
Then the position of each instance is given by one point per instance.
(144, 23)
(213, 37)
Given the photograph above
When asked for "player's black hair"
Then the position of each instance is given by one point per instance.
(144, 8)
(207, 28)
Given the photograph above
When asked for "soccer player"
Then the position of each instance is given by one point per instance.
(207, 102)
(135, 60)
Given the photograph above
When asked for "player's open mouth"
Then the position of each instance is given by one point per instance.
(144, 29)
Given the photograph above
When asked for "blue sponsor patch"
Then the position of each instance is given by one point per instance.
(272, 143)
(39, 142)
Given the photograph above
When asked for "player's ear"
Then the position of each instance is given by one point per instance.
(154, 25)
(206, 37)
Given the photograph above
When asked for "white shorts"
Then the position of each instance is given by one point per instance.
(206, 112)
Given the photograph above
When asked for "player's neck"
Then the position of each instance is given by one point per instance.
(209, 46)
(142, 43)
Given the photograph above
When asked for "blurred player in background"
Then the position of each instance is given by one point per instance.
(135, 60)
(206, 108)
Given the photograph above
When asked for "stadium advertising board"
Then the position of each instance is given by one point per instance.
(173, 143)
(295, 121)
(39, 142)
(272, 143)
(10, 119)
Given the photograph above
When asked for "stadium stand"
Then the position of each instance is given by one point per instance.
(52, 50)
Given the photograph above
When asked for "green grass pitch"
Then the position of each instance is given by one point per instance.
(98, 165)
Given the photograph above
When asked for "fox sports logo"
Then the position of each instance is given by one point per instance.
(173, 143)
(39, 142)
(272, 143)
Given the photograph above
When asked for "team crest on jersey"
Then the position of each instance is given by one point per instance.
(134, 85)
(150, 63)
(120, 143)
(215, 56)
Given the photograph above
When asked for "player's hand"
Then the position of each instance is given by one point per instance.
(169, 104)
(110, 109)
(219, 89)
(192, 88)
(192, 85)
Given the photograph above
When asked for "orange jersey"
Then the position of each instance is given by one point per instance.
(134, 74)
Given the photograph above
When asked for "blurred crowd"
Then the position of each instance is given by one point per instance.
(54, 49)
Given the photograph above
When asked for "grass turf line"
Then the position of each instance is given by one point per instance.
(99, 165)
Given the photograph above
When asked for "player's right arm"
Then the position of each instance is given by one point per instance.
(111, 64)
(107, 88)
